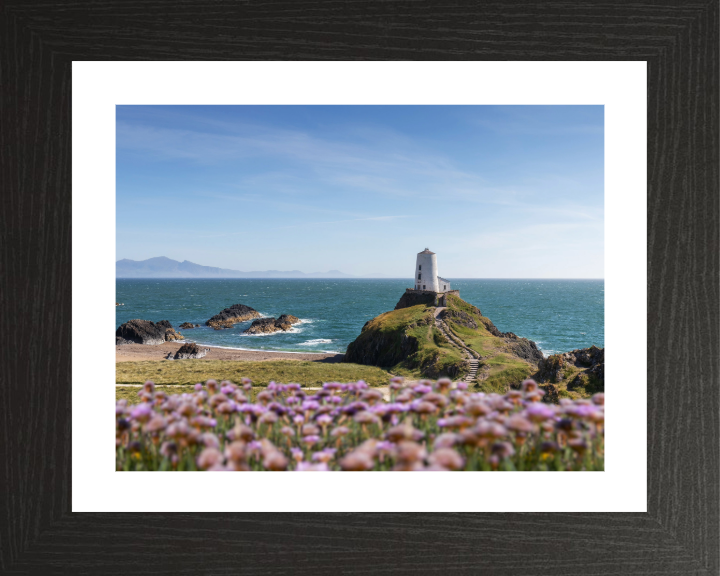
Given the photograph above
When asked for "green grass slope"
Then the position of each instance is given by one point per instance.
(504, 361)
(188, 372)
(406, 342)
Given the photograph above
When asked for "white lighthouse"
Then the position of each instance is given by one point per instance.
(426, 273)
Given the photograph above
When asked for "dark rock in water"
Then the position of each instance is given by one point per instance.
(141, 332)
(190, 350)
(187, 325)
(270, 325)
(236, 313)
(262, 326)
(165, 324)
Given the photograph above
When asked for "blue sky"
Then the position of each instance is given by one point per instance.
(495, 191)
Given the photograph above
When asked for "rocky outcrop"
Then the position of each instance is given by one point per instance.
(432, 369)
(592, 358)
(552, 394)
(523, 348)
(262, 326)
(270, 325)
(146, 332)
(140, 332)
(190, 350)
(381, 348)
(188, 325)
(288, 318)
(170, 334)
(591, 361)
(415, 298)
(550, 369)
(236, 313)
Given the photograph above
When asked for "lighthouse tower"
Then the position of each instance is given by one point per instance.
(426, 271)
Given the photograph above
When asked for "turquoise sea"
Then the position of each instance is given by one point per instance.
(559, 315)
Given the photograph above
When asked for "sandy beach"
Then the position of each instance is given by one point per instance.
(141, 352)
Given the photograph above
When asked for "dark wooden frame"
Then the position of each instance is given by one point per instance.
(680, 532)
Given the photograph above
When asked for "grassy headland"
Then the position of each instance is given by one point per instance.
(408, 342)
(502, 362)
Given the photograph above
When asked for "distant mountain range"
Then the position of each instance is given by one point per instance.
(162, 267)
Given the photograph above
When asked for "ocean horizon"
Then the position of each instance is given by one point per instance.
(558, 314)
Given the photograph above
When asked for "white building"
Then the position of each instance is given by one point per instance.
(426, 274)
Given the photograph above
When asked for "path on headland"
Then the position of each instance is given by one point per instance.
(469, 354)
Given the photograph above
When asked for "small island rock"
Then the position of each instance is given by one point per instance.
(270, 325)
(236, 313)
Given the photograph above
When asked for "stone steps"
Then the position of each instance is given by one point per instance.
(472, 375)
(468, 353)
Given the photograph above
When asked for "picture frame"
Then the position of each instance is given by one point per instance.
(678, 535)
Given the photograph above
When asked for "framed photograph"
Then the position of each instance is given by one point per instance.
(252, 370)
(259, 220)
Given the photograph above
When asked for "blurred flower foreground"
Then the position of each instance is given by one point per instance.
(424, 427)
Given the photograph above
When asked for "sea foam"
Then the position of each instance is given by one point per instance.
(316, 341)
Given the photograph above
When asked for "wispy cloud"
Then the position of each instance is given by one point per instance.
(369, 219)
(379, 168)
(306, 187)
(306, 224)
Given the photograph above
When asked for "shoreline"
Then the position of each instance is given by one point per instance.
(157, 353)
